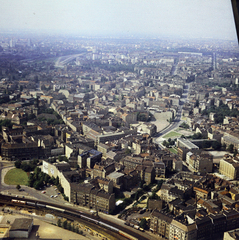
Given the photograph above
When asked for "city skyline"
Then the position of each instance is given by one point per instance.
(181, 18)
(118, 118)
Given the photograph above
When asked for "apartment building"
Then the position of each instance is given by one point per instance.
(199, 161)
(229, 167)
(169, 228)
(86, 194)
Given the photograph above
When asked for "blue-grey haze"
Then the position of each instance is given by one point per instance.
(183, 18)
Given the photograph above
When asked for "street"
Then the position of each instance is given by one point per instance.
(177, 120)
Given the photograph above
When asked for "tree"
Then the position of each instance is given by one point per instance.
(197, 136)
(62, 158)
(142, 117)
(69, 226)
(46, 178)
(57, 181)
(52, 180)
(18, 164)
(65, 197)
(60, 188)
(35, 161)
(37, 170)
(184, 125)
(59, 223)
(25, 167)
(33, 164)
(221, 111)
(230, 148)
(18, 187)
(235, 152)
(128, 151)
(206, 144)
(216, 145)
(64, 224)
(31, 180)
(5, 123)
(37, 185)
(31, 116)
(224, 146)
(218, 118)
(172, 142)
(143, 223)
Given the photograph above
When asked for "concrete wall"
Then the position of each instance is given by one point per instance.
(51, 170)
(65, 184)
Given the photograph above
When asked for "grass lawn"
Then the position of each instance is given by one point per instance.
(16, 176)
(172, 134)
(173, 150)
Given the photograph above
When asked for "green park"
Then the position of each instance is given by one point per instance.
(16, 176)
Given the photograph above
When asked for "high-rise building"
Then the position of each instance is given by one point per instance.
(12, 43)
(29, 43)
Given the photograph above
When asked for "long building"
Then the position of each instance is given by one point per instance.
(229, 167)
(86, 194)
(97, 194)
(19, 151)
(200, 227)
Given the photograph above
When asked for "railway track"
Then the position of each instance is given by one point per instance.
(72, 214)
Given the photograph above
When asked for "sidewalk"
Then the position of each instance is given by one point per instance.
(3, 174)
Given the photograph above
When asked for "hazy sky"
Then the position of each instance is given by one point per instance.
(194, 18)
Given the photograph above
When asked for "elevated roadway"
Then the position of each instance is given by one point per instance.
(61, 61)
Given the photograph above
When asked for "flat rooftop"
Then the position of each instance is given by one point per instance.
(115, 175)
(186, 143)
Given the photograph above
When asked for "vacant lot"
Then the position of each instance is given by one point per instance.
(184, 132)
(16, 176)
